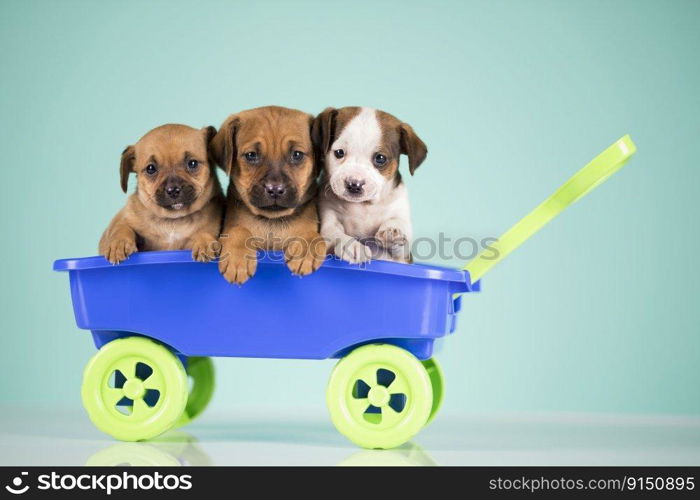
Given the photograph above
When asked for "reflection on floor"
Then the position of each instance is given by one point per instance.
(180, 448)
(29, 437)
(174, 449)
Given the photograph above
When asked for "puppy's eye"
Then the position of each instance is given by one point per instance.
(192, 164)
(251, 156)
(151, 169)
(297, 156)
(379, 160)
(339, 153)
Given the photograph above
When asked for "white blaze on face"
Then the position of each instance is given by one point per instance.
(360, 140)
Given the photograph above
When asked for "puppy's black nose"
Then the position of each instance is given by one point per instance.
(173, 188)
(354, 186)
(173, 191)
(274, 190)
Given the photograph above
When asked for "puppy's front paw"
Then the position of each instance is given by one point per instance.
(237, 264)
(205, 248)
(118, 250)
(354, 251)
(303, 257)
(391, 237)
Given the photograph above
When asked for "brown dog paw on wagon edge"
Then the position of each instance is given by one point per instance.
(178, 200)
(271, 201)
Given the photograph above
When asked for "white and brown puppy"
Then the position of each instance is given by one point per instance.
(364, 207)
(178, 201)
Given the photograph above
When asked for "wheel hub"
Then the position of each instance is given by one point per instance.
(378, 396)
(134, 389)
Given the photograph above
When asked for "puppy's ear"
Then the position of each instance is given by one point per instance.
(223, 146)
(323, 129)
(209, 133)
(412, 146)
(126, 166)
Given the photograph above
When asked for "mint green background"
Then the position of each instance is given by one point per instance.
(599, 313)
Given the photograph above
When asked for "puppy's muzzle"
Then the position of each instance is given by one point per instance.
(274, 195)
(175, 193)
(354, 187)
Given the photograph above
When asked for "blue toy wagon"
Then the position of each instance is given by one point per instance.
(158, 318)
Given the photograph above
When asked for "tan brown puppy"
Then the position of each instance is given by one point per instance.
(178, 201)
(268, 154)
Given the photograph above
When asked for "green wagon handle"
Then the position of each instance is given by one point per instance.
(585, 180)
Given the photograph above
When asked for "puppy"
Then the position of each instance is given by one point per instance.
(363, 204)
(268, 154)
(178, 201)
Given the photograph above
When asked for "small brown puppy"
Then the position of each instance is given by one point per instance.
(178, 202)
(268, 154)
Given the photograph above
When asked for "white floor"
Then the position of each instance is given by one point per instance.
(60, 437)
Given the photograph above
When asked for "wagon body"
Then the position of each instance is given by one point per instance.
(191, 308)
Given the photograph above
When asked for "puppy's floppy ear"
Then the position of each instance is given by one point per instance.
(223, 146)
(412, 146)
(126, 166)
(209, 133)
(323, 130)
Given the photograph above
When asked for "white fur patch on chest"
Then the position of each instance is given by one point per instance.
(174, 237)
(362, 220)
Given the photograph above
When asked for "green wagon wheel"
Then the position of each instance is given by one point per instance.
(437, 381)
(134, 389)
(201, 372)
(379, 396)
